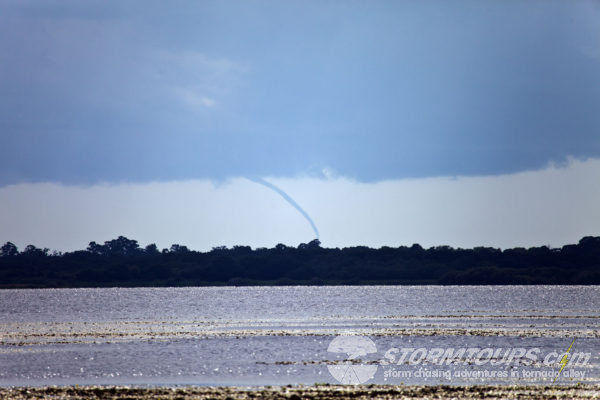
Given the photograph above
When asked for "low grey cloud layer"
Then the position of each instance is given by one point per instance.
(144, 91)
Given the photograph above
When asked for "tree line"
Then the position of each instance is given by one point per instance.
(122, 262)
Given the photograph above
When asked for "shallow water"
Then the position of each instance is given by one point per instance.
(280, 335)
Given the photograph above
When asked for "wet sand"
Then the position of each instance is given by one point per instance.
(30, 333)
(321, 392)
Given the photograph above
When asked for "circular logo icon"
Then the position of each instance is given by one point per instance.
(352, 371)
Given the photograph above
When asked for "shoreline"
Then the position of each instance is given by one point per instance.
(297, 392)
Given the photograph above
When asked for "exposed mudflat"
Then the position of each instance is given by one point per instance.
(321, 392)
(26, 333)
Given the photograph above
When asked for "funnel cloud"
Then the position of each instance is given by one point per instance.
(289, 200)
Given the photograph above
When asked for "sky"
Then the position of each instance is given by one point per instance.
(384, 122)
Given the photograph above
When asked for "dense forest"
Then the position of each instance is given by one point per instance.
(122, 262)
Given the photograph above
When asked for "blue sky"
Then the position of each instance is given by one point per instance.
(143, 92)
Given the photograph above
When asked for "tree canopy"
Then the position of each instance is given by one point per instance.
(122, 262)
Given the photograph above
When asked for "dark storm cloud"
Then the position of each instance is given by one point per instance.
(142, 91)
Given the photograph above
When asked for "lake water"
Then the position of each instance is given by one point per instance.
(291, 335)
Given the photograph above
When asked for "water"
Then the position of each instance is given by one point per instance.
(281, 335)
